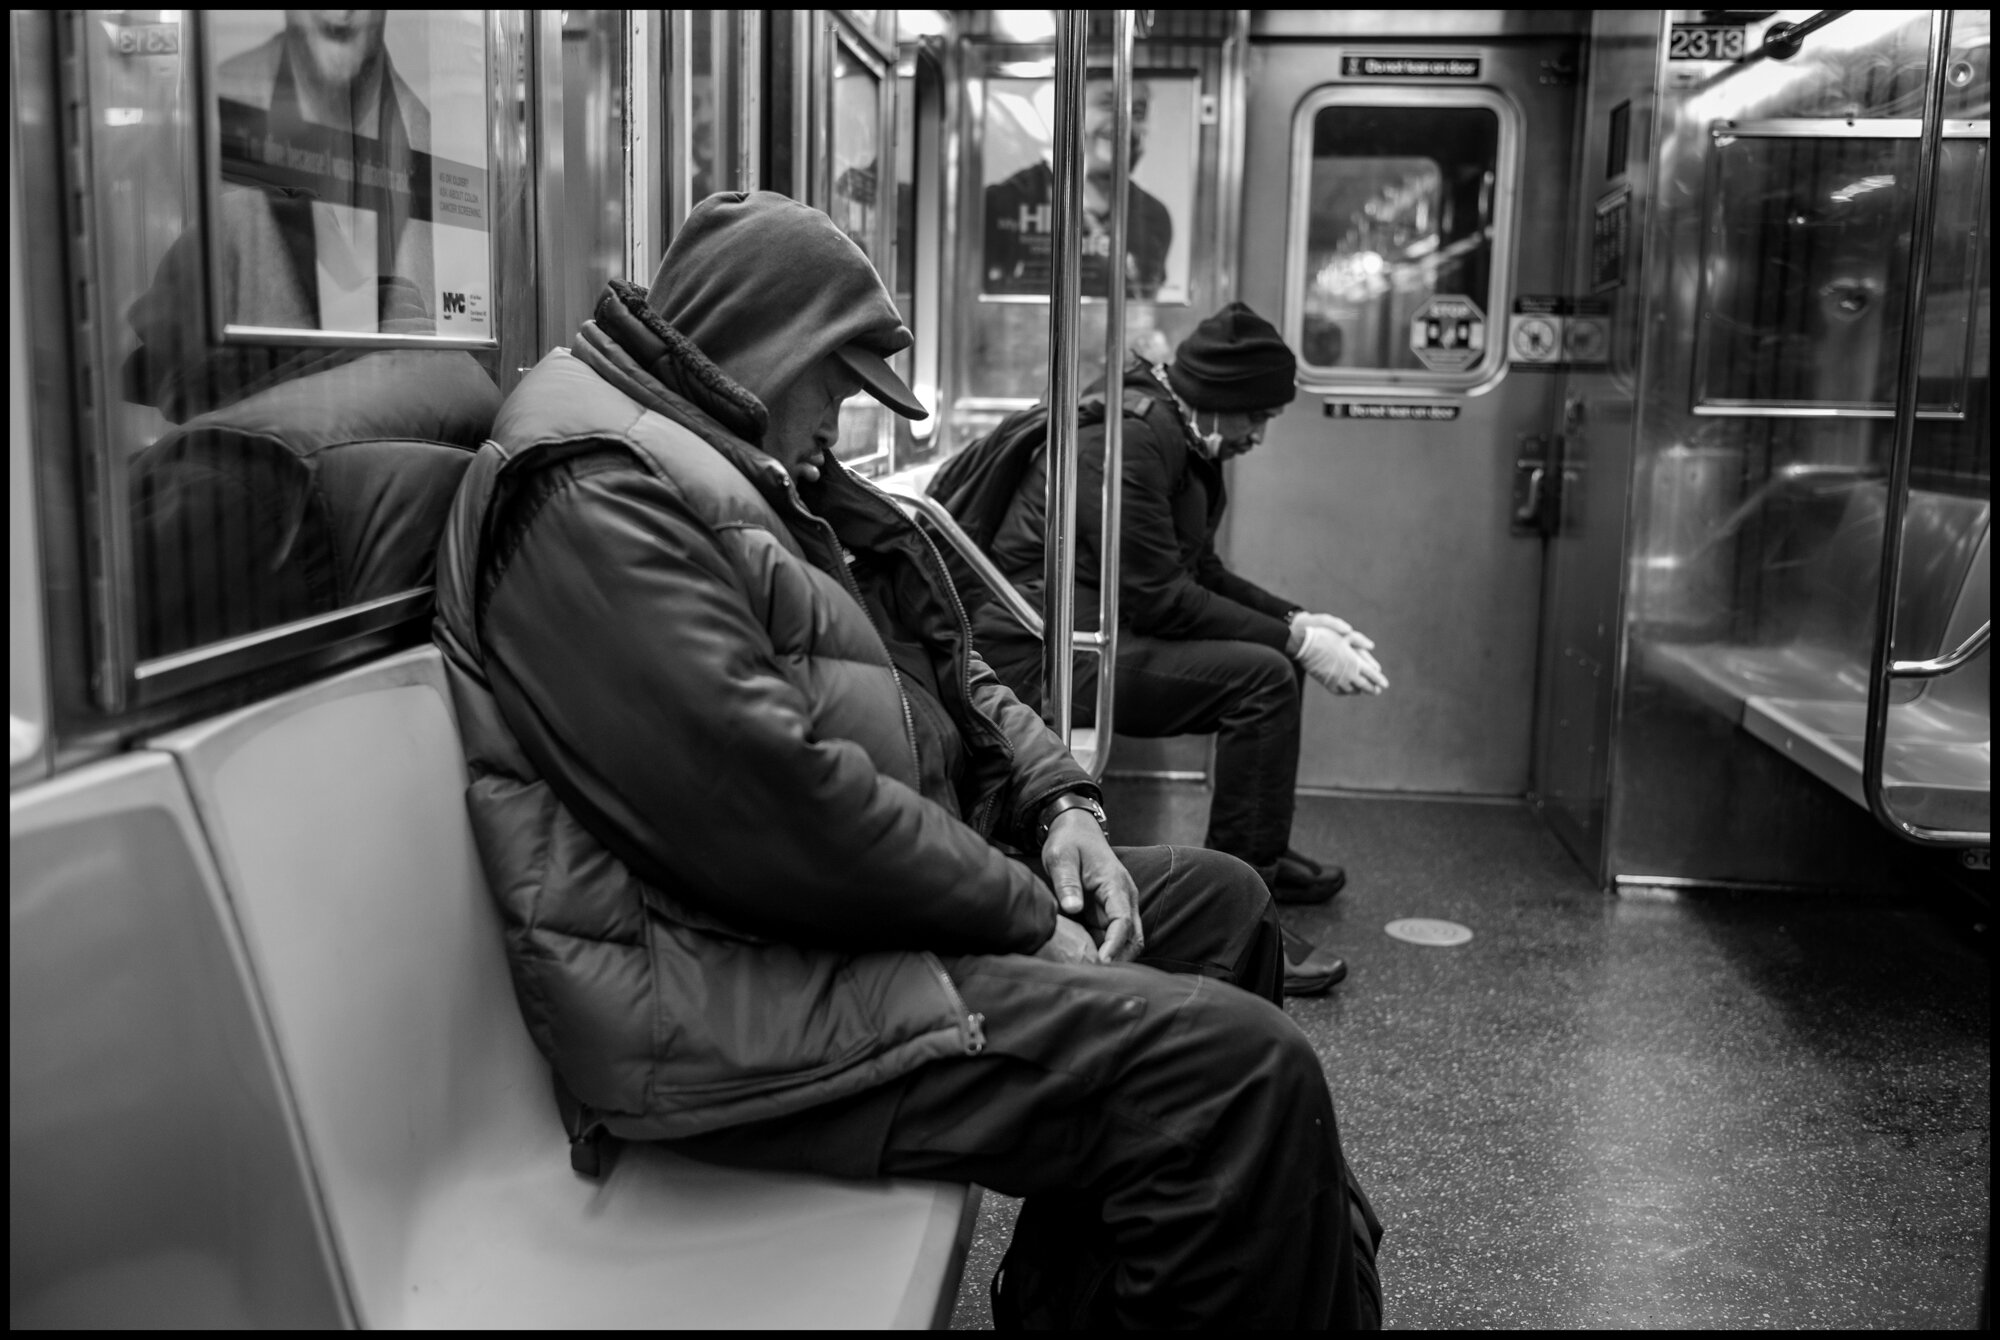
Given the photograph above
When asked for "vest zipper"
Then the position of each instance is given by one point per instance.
(965, 641)
(971, 1026)
(854, 589)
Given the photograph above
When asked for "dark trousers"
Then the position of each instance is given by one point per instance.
(1171, 1130)
(1246, 693)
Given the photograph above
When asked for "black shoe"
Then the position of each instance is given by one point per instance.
(1310, 970)
(1300, 879)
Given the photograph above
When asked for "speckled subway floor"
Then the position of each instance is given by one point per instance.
(1719, 1111)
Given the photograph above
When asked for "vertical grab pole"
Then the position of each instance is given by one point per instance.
(1059, 560)
(1108, 567)
(1882, 670)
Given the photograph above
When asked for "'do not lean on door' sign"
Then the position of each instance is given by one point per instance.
(1448, 334)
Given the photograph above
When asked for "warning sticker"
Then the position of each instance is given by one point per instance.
(1448, 334)
(1557, 331)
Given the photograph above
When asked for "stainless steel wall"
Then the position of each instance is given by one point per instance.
(1767, 274)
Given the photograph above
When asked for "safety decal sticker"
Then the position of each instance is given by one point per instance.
(1448, 334)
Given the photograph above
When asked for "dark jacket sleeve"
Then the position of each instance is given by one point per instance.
(1043, 769)
(1210, 573)
(632, 667)
(1157, 594)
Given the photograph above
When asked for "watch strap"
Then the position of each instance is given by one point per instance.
(1063, 804)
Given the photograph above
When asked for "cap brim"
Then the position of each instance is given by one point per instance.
(880, 380)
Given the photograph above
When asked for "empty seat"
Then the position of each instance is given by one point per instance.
(1819, 602)
(154, 1177)
(339, 824)
(1938, 760)
(1805, 691)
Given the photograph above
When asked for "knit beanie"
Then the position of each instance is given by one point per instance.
(1235, 360)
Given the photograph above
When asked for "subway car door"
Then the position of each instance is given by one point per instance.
(1400, 199)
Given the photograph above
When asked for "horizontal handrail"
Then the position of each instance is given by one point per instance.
(1950, 661)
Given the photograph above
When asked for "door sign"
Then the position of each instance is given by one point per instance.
(1556, 332)
(1448, 334)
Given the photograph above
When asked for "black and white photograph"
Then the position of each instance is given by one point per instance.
(621, 718)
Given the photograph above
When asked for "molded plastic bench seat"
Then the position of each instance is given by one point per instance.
(1938, 759)
(1807, 697)
(1827, 602)
(338, 820)
(154, 1173)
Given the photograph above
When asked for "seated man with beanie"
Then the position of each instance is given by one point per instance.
(1200, 648)
(791, 881)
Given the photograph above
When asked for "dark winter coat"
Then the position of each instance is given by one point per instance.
(696, 787)
(1171, 583)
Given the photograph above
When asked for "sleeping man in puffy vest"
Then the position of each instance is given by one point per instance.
(791, 881)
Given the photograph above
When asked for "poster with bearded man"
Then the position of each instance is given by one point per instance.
(1017, 151)
(350, 187)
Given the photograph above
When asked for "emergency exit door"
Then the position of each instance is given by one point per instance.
(1398, 198)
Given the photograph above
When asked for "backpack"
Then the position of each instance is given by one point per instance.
(978, 485)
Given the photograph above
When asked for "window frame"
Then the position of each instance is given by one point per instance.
(836, 31)
(1492, 366)
(1720, 134)
(198, 52)
(135, 694)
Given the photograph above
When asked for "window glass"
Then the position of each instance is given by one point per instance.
(27, 713)
(265, 483)
(712, 138)
(1399, 238)
(854, 203)
(1802, 284)
(593, 160)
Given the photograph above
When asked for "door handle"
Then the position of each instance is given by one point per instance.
(1528, 514)
(1537, 486)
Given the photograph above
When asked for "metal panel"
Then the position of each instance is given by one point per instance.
(645, 203)
(1585, 557)
(1402, 527)
(552, 246)
(1420, 23)
(27, 672)
(155, 1170)
(1693, 795)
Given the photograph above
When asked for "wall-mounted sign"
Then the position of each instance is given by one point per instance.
(1399, 412)
(350, 177)
(1409, 67)
(1016, 157)
(1610, 231)
(1448, 334)
(1547, 333)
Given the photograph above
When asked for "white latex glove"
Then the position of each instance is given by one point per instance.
(1338, 625)
(1338, 665)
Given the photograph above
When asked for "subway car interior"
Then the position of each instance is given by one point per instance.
(1642, 420)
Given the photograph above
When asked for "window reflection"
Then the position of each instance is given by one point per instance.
(265, 483)
(853, 201)
(713, 138)
(593, 160)
(1400, 210)
(1802, 285)
(857, 136)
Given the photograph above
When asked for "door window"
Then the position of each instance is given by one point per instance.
(1401, 215)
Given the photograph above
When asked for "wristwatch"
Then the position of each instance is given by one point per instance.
(1062, 804)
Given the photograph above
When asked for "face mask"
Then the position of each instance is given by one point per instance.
(1211, 440)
